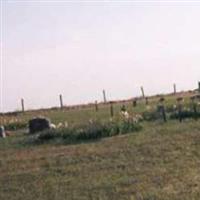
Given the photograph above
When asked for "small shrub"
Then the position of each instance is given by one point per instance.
(94, 130)
(91, 131)
(68, 134)
(112, 129)
(47, 135)
(128, 127)
(170, 109)
(151, 115)
(15, 126)
(185, 114)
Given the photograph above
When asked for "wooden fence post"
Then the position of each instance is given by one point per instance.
(22, 104)
(111, 109)
(142, 90)
(174, 88)
(61, 101)
(96, 106)
(104, 96)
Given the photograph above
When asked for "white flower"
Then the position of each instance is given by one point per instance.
(66, 124)
(52, 126)
(125, 114)
(60, 125)
(148, 107)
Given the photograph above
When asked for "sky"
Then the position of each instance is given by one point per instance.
(78, 48)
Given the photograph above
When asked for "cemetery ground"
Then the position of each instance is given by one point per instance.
(160, 162)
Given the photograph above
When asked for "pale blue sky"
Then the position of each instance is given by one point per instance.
(79, 48)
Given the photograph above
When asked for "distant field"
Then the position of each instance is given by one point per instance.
(83, 115)
(160, 162)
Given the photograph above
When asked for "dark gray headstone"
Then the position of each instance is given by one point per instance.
(38, 124)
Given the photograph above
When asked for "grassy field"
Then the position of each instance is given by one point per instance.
(160, 162)
(83, 115)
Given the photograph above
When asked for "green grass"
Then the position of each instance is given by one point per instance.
(160, 162)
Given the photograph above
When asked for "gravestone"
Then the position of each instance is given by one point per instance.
(134, 103)
(2, 132)
(39, 124)
(180, 108)
(123, 108)
(161, 100)
(194, 105)
(96, 106)
(161, 110)
(146, 101)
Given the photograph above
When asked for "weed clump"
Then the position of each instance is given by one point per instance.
(47, 135)
(185, 114)
(91, 131)
(151, 115)
(15, 126)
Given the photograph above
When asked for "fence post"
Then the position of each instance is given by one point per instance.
(142, 90)
(61, 101)
(22, 104)
(174, 88)
(111, 109)
(104, 96)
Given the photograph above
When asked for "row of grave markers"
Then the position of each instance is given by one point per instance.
(104, 97)
(162, 109)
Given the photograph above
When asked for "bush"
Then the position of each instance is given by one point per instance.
(185, 114)
(47, 135)
(127, 127)
(170, 109)
(15, 126)
(91, 131)
(68, 134)
(151, 116)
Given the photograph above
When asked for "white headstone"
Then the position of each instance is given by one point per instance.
(2, 132)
